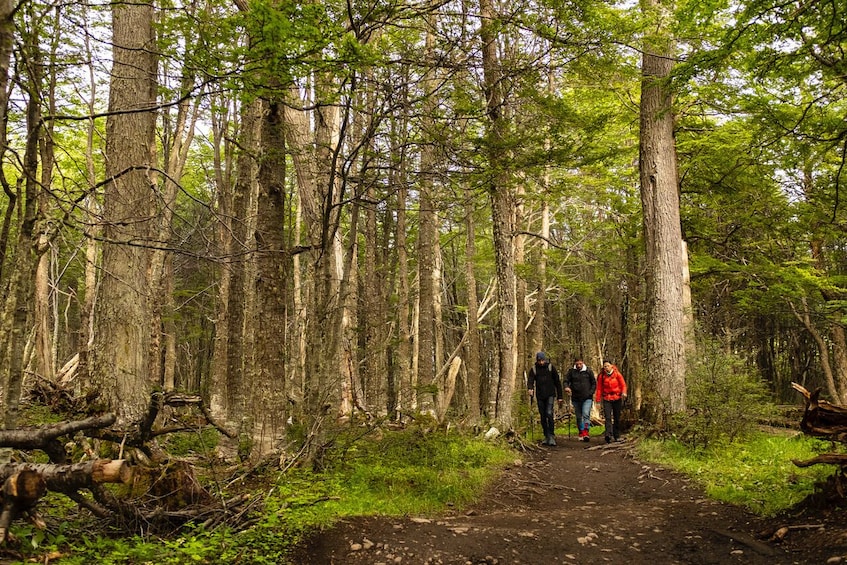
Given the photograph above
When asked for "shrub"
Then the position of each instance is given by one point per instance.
(725, 399)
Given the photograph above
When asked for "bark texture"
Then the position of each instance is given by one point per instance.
(662, 230)
(121, 356)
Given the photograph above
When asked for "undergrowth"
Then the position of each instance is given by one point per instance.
(755, 472)
(396, 473)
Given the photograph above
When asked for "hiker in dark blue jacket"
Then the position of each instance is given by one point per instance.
(581, 384)
(543, 381)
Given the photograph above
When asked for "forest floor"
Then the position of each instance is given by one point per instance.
(581, 503)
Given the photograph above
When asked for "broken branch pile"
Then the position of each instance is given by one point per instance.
(825, 420)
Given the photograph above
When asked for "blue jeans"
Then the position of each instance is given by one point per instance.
(545, 408)
(582, 409)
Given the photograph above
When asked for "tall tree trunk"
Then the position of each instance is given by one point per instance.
(521, 309)
(502, 207)
(18, 305)
(222, 158)
(427, 243)
(46, 301)
(121, 360)
(314, 153)
(92, 230)
(662, 230)
(405, 382)
(178, 137)
(241, 286)
(472, 345)
(537, 330)
(269, 400)
(805, 318)
(7, 42)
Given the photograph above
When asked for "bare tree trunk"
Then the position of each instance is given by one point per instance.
(239, 365)
(427, 246)
(92, 230)
(273, 265)
(406, 400)
(662, 230)
(121, 355)
(222, 166)
(7, 42)
(178, 137)
(805, 318)
(328, 379)
(300, 299)
(373, 299)
(537, 332)
(44, 298)
(502, 207)
(472, 346)
(18, 305)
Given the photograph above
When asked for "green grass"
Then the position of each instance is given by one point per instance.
(399, 473)
(756, 473)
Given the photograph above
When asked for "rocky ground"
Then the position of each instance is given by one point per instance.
(587, 503)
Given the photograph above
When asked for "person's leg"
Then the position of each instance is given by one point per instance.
(616, 411)
(542, 411)
(607, 416)
(586, 418)
(551, 420)
(577, 410)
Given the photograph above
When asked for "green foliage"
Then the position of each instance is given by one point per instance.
(756, 473)
(725, 399)
(201, 441)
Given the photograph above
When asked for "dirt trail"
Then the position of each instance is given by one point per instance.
(578, 503)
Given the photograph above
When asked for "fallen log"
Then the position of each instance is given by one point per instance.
(25, 483)
(822, 418)
(825, 420)
(70, 478)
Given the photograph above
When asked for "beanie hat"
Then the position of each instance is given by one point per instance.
(540, 356)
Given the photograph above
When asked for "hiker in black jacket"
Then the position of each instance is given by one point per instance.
(544, 382)
(581, 384)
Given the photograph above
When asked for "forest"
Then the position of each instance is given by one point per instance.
(282, 217)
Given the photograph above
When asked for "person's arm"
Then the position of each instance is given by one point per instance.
(598, 396)
(558, 382)
(623, 384)
(530, 381)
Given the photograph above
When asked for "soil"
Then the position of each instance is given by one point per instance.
(583, 503)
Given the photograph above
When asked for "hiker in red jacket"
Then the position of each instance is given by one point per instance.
(611, 390)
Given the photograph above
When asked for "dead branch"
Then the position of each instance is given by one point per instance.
(39, 438)
(824, 459)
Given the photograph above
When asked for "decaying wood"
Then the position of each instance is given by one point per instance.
(69, 478)
(825, 420)
(822, 418)
(25, 483)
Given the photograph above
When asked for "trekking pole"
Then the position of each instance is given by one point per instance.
(531, 420)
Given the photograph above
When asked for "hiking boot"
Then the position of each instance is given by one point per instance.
(586, 437)
(552, 441)
(609, 439)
